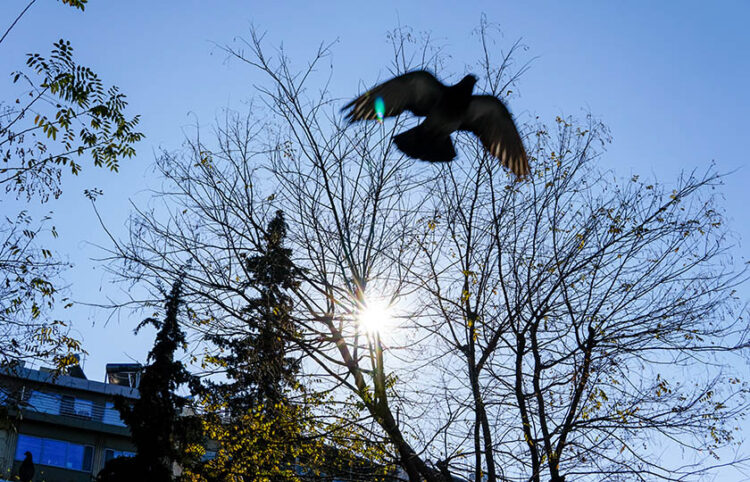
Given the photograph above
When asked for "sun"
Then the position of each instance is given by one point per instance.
(375, 316)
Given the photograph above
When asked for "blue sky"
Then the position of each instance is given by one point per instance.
(669, 78)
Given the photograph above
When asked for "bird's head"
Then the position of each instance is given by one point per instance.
(468, 82)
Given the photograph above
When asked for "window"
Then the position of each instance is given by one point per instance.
(28, 444)
(44, 402)
(77, 407)
(110, 454)
(57, 404)
(83, 408)
(79, 456)
(111, 415)
(56, 453)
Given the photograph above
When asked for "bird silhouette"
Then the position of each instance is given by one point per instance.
(26, 470)
(446, 109)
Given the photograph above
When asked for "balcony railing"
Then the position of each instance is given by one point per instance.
(63, 405)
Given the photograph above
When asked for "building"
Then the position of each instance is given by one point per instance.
(68, 423)
(71, 427)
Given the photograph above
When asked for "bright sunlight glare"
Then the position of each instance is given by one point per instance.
(375, 316)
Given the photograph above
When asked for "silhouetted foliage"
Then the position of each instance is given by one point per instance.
(160, 430)
(76, 114)
(259, 429)
(120, 469)
(257, 363)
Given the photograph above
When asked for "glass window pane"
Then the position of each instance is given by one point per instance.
(27, 443)
(57, 453)
(44, 402)
(53, 452)
(84, 408)
(111, 415)
(74, 459)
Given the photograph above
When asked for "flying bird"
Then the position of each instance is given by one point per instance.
(26, 470)
(446, 109)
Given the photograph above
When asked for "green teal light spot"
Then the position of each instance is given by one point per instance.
(379, 108)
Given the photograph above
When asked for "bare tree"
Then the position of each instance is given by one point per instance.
(543, 327)
(578, 306)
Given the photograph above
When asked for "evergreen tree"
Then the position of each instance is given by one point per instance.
(159, 430)
(258, 365)
(261, 432)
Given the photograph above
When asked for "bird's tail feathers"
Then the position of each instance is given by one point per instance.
(419, 143)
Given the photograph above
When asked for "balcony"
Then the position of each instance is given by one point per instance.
(72, 407)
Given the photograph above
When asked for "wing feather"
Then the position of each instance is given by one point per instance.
(415, 91)
(489, 119)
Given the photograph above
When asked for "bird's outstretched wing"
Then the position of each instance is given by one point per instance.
(489, 119)
(416, 91)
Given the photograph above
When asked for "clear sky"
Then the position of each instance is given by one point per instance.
(670, 78)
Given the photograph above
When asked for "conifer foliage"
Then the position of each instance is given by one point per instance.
(258, 363)
(160, 430)
(260, 429)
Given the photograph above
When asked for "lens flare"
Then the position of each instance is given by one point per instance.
(375, 316)
(379, 108)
